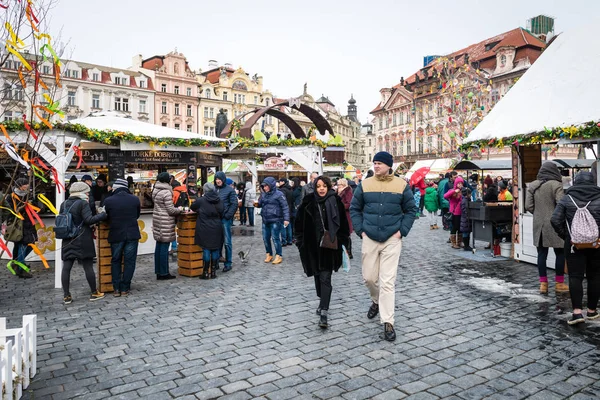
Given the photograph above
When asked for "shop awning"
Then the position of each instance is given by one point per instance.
(484, 165)
(556, 92)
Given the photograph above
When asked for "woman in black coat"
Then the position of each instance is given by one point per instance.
(209, 229)
(584, 261)
(320, 211)
(81, 247)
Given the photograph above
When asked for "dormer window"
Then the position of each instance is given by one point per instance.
(117, 80)
(75, 74)
(46, 69)
(502, 60)
(96, 77)
(490, 46)
(142, 84)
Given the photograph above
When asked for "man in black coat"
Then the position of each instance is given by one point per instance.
(92, 201)
(288, 193)
(123, 210)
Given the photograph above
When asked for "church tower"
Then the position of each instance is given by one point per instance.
(352, 112)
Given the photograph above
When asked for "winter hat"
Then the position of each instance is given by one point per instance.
(228, 181)
(501, 185)
(79, 187)
(120, 184)
(283, 180)
(164, 177)
(21, 182)
(86, 178)
(101, 177)
(208, 187)
(384, 157)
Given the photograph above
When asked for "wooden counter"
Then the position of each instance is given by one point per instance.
(189, 256)
(104, 256)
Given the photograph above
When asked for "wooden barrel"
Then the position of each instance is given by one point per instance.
(189, 256)
(104, 256)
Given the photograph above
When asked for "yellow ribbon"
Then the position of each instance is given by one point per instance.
(47, 203)
(13, 213)
(40, 254)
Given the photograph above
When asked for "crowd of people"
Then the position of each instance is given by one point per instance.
(319, 218)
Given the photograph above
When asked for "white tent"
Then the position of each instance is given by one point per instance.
(559, 90)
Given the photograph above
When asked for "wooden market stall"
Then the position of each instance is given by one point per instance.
(554, 102)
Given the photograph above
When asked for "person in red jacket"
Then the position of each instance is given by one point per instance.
(454, 196)
(345, 193)
(421, 186)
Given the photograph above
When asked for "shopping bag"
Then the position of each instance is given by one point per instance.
(345, 259)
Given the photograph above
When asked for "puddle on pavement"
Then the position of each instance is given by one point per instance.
(242, 231)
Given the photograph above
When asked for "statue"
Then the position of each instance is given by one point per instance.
(255, 78)
(221, 122)
(223, 72)
(305, 88)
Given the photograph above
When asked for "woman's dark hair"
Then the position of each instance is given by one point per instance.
(296, 182)
(325, 180)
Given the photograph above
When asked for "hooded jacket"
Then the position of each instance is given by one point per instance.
(82, 246)
(164, 215)
(227, 195)
(209, 228)
(287, 191)
(541, 199)
(583, 191)
(274, 205)
(431, 199)
(441, 186)
(250, 195)
(454, 198)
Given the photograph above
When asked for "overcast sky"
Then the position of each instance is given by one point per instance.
(338, 47)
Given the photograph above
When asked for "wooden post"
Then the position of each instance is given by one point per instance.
(189, 256)
(104, 256)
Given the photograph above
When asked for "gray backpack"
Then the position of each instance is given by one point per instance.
(584, 229)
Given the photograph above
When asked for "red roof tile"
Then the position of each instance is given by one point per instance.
(214, 74)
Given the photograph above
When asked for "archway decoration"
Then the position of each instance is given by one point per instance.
(315, 116)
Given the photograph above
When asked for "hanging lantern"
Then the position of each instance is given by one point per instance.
(470, 95)
(450, 119)
(452, 135)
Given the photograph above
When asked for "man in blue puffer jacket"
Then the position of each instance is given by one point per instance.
(275, 214)
(230, 205)
(383, 210)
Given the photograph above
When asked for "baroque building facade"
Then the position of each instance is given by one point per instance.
(417, 118)
(177, 96)
(85, 88)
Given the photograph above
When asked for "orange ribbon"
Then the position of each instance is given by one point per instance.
(40, 254)
(4, 247)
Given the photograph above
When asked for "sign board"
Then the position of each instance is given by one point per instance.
(159, 157)
(116, 164)
(208, 159)
(91, 157)
(273, 163)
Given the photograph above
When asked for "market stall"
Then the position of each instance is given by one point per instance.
(554, 102)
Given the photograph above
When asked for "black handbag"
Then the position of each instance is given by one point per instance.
(14, 231)
(326, 242)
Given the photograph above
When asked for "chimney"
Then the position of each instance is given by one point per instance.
(136, 61)
(228, 66)
(401, 81)
(212, 64)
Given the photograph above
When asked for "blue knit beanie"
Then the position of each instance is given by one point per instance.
(384, 157)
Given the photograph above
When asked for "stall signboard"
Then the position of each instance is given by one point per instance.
(208, 159)
(159, 157)
(273, 163)
(91, 157)
(116, 164)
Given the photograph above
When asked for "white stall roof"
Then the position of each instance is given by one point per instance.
(139, 128)
(559, 90)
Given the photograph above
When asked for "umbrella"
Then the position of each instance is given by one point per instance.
(419, 175)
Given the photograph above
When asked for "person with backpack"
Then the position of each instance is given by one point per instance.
(78, 243)
(576, 220)
(543, 195)
(164, 219)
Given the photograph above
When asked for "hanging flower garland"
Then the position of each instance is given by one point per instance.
(110, 137)
(589, 130)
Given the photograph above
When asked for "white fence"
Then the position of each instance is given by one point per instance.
(18, 357)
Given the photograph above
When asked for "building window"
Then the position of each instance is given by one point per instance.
(163, 108)
(401, 118)
(176, 89)
(117, 80)
(142, 106)
(207, 93)
(95, 77)
(225, 96)
(380, 123)
(121, 104)
(164, 124)
(75, 74)
(189, 110)
(206, 130)
(430, 143)
(394, 148)
(188, 91)
(502, 60)
(163, 88)
(71, 98)
(96, 101)
(440, 110)
(495, 96)
(408, 147)
(440, 144)
(211, 130)
(401, 147)
(421, 115)
(408, 117)
(46, 69)
(67, 71)
(205, 112)
(267, 102)
(370, 143)
(176, 109)
(212, 112)
(394, 120)
(142, 84)
(420, 144)
(189, 128)
(255, 99)
(177, 126)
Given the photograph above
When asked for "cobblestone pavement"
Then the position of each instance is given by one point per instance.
(466, 330)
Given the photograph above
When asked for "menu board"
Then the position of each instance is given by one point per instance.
(116, 164)
(159, 157)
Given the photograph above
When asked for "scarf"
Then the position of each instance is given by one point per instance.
(80, 195)
(20, 193)
(331, 211)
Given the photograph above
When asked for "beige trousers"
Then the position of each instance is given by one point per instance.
(380, 268)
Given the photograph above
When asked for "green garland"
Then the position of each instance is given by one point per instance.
(589, 130)
(113, 138)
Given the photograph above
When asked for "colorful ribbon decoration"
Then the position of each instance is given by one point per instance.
(6, 135)
(79, 155)
(4, 247)
(32, 213)
(40, 255)
(18, 215)
(14, 44)
(14, 155)
(44, 200)
(28, 127)
(39, 173)
(20, 264)
(59, 184)
(41, 117)
(21, 77)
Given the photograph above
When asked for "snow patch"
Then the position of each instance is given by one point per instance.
(501, 287)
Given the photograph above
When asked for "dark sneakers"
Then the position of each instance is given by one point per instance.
(67, 299)
(373, 311)
(576, 319)
(593, 315)
(388, 332)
